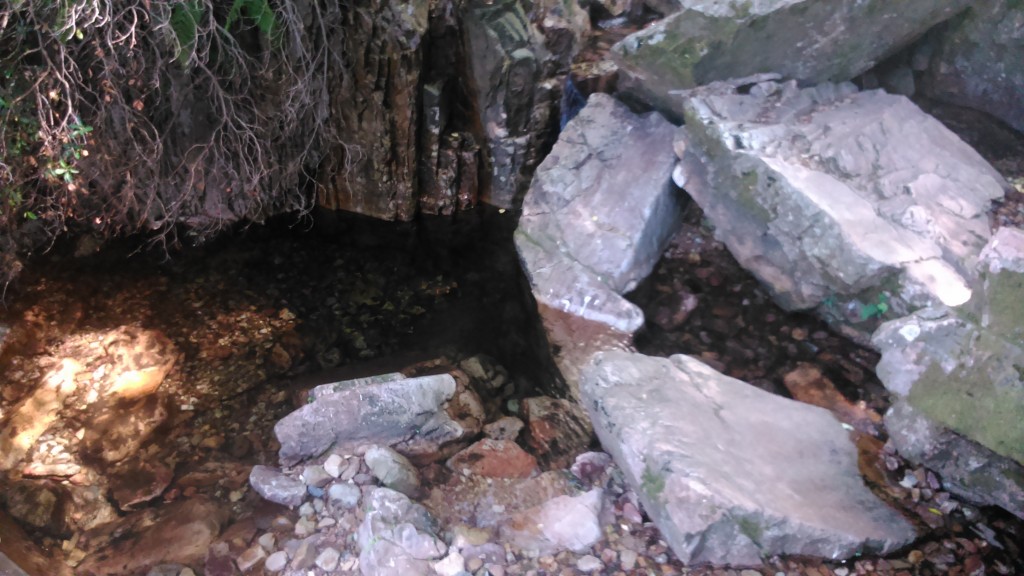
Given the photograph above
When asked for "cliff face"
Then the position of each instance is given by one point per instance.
(444, 104)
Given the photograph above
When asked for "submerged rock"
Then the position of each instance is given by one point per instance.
(410, 411)
(854, 203)
(732, 474)
(803, 40)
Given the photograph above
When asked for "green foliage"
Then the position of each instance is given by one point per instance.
(185, 21)
(258, 11)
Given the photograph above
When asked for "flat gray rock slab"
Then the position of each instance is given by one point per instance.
(599, 212)
(857, 203)
(805, 40)
(732, 474)
(370, 411)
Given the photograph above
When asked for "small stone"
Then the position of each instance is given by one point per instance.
(589, 563)
(267, 541)
(394, 470)
(334, 465)
(304, 527)
(474, 564)
(756, 573)
(495, 569)
(915, 557)
(187, 572)
(344, 494)
(307, 510)
(275, 486)
(316, 476)
(627, 559)
(328, 559)
(276, 561)
(250, 558)
(505, 428)
(450, 565)
(841, 571)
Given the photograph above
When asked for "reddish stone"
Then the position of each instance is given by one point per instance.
(558, 430)
(494, 459)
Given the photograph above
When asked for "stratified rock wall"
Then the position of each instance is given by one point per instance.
(443, 105)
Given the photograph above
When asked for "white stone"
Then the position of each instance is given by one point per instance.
(589, 563)
(276, 561)
(450, 565)
(334, 465)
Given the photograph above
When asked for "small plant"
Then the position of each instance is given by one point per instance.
(878, 309)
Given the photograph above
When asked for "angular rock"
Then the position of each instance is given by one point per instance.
(732, 474)
(562, 523)
(181, 533)
(397, 536)
(856, 203)
(967, 469)
(494, 459)
(406, 411)
(598, 214)
(962, 370)
(344, 494)
(558, 429)
(394, 470)
(803, 40)
(977, 60)
(275, 486)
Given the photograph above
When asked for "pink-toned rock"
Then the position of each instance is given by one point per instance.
(494, 459)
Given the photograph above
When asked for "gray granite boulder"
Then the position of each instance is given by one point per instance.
(855, 203)
(599, 212)
(732, 474)
(962, 369)
(409, 414)
(977, 60)
(803, 40)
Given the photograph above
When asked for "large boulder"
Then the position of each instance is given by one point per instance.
(602, 204)
(595, 221)
(962, 368)
(977, 60)
(732, 474)
(855, 203)
(804, 40)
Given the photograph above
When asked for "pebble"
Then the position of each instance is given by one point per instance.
(450, 565)
(627, 559)
(334, 465)
(589, 563)
(328, 559)
(344, 494)
(267, 541)
(276, 561)
(250, 557)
